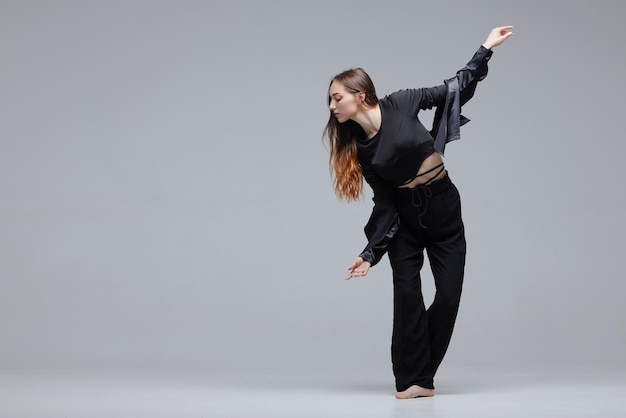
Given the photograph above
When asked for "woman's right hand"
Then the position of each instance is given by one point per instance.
(358, 268)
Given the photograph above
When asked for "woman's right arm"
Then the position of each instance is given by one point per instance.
(381, 227)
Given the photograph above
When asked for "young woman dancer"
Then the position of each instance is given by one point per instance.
(416, 205)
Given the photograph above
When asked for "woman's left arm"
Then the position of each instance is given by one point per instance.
(460, 89)
(476, 69)
(411, 101)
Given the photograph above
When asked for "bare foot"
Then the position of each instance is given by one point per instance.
(415, 392)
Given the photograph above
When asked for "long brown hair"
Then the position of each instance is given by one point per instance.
(342, 137)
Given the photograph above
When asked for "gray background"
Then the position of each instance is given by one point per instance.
(165, 199)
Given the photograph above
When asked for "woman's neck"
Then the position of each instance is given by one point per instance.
(369, 119)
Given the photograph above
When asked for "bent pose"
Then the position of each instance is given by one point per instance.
(416, 205)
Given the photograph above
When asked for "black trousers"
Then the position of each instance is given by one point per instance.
(430, 219)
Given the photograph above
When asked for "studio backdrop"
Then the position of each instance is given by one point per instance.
(165, 197)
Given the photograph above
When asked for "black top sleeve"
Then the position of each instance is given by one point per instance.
(473, 72)
(384, 220)
(411, 101)
(460, 89)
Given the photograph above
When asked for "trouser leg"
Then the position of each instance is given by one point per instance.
(410, 348)
(421, 338)
(446, 252)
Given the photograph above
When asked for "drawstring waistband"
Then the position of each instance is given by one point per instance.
(421, 193)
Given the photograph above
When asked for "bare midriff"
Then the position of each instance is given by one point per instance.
(431, 170)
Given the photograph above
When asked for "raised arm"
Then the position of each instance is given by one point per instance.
(460, 89)
(411, 101)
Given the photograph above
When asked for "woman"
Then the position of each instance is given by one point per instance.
(416, 206)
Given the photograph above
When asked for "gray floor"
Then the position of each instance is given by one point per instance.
(461, 392)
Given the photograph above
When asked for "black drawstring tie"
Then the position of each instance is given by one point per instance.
(421, 193)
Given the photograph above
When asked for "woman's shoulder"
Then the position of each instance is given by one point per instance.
(399, 95)
(403, 99)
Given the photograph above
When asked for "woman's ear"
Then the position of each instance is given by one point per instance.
(361, 98)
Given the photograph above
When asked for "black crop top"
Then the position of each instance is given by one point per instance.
(402, 143)
(394, 155)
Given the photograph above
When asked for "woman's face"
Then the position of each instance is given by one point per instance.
(343, 103)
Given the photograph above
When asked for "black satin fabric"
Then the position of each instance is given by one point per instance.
(448, 119)
(387, 158)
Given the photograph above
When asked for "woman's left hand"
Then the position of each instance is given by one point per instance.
(497, 36)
